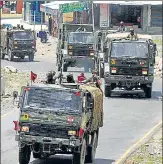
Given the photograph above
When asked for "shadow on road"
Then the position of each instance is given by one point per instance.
(68, 160)
(156, 95)
(23, 60)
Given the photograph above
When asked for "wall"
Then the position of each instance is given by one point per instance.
(19, 6)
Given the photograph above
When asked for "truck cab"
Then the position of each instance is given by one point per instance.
(129, 63)
(59, 119)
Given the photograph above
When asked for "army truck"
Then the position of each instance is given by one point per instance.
(129, 63)
(17, 42)
(76, 47)
(59, 119)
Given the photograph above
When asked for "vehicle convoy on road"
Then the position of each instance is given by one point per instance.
(129, 63)
(76, 47)
(59, 119)
(18, 42)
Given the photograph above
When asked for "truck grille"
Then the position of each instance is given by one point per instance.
(130, 71)
(81, 52)
(48, 131)
(24, 45)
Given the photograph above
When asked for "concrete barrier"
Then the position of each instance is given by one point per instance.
(11, 16)
(2, 85)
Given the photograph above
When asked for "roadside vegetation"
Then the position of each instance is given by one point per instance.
(148, 153)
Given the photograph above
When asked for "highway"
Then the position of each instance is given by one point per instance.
(126, 120)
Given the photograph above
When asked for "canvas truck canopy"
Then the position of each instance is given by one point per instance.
(98, 105)
(123, 35)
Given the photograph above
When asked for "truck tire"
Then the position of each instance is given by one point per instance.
(3, 56)
(91, 149)
(64, 67)
(22, 57)
(79, 158)
(10, 55)
(107, 91)
(36, 155)
(24, 154)
(148, 92)
(31, 57)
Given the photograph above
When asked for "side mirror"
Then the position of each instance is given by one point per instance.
(15, 94)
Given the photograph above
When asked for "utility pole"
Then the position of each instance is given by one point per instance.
(41, 20)
(34, 19)
(93, 21)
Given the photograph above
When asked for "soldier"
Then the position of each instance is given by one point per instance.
(51, 77)
(94, 79)
(132, 35)
(122, 27)
(70, 78)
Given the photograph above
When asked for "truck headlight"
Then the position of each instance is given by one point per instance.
(70, 53)
(91, 53)
(71, 133)
(144, 71)
(25, 129)
(113, 70)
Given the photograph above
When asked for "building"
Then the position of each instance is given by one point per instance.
(32, 13)
(12, 7)
(112, 12)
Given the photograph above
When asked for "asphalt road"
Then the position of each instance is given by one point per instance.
(126, 120)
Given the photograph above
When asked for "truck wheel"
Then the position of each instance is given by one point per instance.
(91, 149)
(36, 155)
(22, 57)
(148, 92)
(64, 68)
(79, 158)
(31, 57)
(107, 91)
(24, 154)
(3, 56)
(10, 55)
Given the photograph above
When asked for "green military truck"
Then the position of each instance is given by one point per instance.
(76, 47)
(59, 119)
(129, 63)
(17, 42)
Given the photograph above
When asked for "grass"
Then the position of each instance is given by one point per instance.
(158, 41)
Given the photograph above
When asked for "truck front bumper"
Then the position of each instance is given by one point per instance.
(72, 141)
(110, 79)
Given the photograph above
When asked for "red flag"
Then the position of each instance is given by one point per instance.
(16, 123)
(33, 76)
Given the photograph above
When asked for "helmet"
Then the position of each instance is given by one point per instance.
(82, 74)
(94, 71)
(121, 22)
(132, 31)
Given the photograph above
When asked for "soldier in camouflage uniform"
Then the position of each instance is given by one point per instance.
(51, 77)
(94, 79)
(132, 35)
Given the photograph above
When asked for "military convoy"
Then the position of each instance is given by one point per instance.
(18, 42)
(59, 119)
(129, 63)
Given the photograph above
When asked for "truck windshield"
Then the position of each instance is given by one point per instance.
(83, 38)
(23, 35)
(81, 65)
(52, 99)
(131, 49)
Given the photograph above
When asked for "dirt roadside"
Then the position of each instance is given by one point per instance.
(148, 153)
